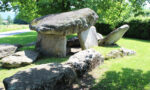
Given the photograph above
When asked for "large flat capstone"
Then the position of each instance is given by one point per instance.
(52, 30)
(65, 23)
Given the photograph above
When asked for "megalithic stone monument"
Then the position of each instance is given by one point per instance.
(52, 29)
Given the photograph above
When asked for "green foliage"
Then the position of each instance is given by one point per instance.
(109, 11)
(145, 13)
(139, 27)
(1, 20)
(10, 21)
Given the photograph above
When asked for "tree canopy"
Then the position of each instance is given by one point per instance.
(109, 11)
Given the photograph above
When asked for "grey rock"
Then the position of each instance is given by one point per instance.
(73, 42)
(127, 52)
(65, 23)
(99, 37)
(20, 58)
(119, 53)
(7, 49)
(85, 61)
(51, 45)
(114, 36)
(42, 77)
(114, 54)
(88, 38)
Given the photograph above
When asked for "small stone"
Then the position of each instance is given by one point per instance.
(127, 52)
(73, 42)
(114, 54)
(119, 53)
(20, 58)
(7, 49)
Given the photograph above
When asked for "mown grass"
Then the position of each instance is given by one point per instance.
(23, 39)
(128, 73)
(5, 28)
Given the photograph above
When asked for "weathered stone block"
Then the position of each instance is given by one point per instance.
(7, 49)
(65, 23)
(42, 77)
(20, 58)
(51, 45)
(88, 38)
(85, 61)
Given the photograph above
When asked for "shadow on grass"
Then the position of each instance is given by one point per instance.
(127, 79)
(51, 60)
(140, 40)
(112, 46)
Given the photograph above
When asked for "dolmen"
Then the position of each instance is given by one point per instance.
(52, 30)
(114, 36)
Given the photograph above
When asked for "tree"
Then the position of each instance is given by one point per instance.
(9, 19)
(109, 11)
(1, 20)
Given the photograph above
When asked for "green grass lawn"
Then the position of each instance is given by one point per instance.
(5, 28)
(128, 73)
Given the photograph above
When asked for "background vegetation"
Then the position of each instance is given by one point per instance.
(112, 13)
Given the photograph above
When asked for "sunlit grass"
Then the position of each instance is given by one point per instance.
(5, 28)
(128, 73)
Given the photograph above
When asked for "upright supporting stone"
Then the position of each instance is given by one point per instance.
(88, 38)
(53, 28)
(51, 45)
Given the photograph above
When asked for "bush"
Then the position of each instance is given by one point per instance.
(139, 28)
(103, 28)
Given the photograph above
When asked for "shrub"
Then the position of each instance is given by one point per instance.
(139, 27)
(103, 28)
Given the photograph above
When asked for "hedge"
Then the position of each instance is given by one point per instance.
(139, 28)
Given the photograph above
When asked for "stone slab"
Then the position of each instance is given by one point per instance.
(65, 23)
(42, 77)
(51, 45)
(19, 59)
(88, 38)
(7, 49)
(115, 35)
